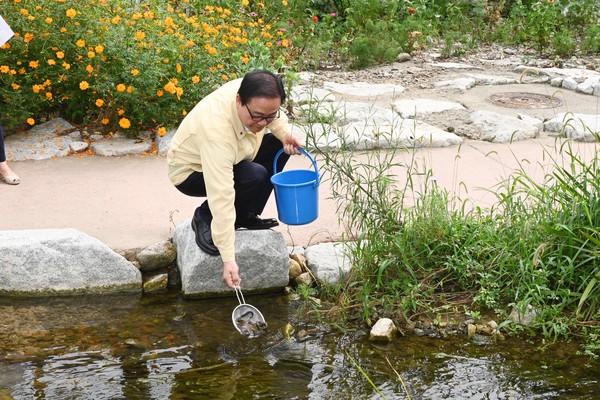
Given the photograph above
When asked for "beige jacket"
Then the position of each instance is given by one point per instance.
(212, 139)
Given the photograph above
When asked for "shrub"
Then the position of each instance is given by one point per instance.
(126, 66)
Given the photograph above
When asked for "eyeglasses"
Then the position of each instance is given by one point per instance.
(258, 118)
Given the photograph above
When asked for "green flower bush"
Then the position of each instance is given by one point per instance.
(116, 65)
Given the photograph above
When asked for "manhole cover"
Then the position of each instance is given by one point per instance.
(525, 100)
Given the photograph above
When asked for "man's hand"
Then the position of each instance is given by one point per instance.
(291, 144)
(231, 274)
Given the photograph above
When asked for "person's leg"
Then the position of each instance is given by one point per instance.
(2, 150)
(6, 174)
(195, 186)
(253, 179)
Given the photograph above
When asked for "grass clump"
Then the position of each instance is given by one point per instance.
(419, 250)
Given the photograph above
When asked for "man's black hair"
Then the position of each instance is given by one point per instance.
(261, 83)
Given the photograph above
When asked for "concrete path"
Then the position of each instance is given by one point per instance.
(128, 202)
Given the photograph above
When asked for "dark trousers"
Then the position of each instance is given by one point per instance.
(252, 182)
(2, 151)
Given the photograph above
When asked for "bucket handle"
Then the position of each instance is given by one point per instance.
(314, 163)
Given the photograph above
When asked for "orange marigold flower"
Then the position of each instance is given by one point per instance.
(60, 55)
(99, 49)
(28, 37)
(67, 66)
(224, 77)
(124, 123)
(135, 72)
(34, 64)
(411, 10)
(99, 103)
(245, 3)
(48, 96)
(4, 69)
(31, 121)
(129, 89)
(80, 43)
(51, 62)
(83, 85)
(315, 18)
(89, 69)
(195, 79)
(171, 88)
(159, 93)
(121, 87)
(161, 131)
(71, 13)
(178, 68)
(139, 35)
(104, 121)
(15, 86)
(179, 92)
(48, 20)
(91, 54)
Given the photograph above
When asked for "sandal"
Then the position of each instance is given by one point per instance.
(10, 177)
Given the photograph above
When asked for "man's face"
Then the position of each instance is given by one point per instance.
(258, 112)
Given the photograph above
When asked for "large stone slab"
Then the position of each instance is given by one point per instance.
(45, 262)
(261, 255)
(497, 128)
(122, 146)
(412, 108)
(581, 127)
(359, 136)
(363, 89)
(301, 95)
(329, 262)
(48, 140)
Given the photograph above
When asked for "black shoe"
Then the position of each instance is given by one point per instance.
(254, 222)
(204, 237)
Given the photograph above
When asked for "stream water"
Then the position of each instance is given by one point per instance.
(163, 347)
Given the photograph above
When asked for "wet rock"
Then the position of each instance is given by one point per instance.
(262, 256)
(42, 262)
(295, 269)
(157, 256)
(383, 330)
(525, 318)
(328, 262)
(471, 329)
(304, 278)
(156, 283)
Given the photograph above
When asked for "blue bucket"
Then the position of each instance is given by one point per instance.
(296, 193)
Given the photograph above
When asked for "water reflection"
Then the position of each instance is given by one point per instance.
(160, 346)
